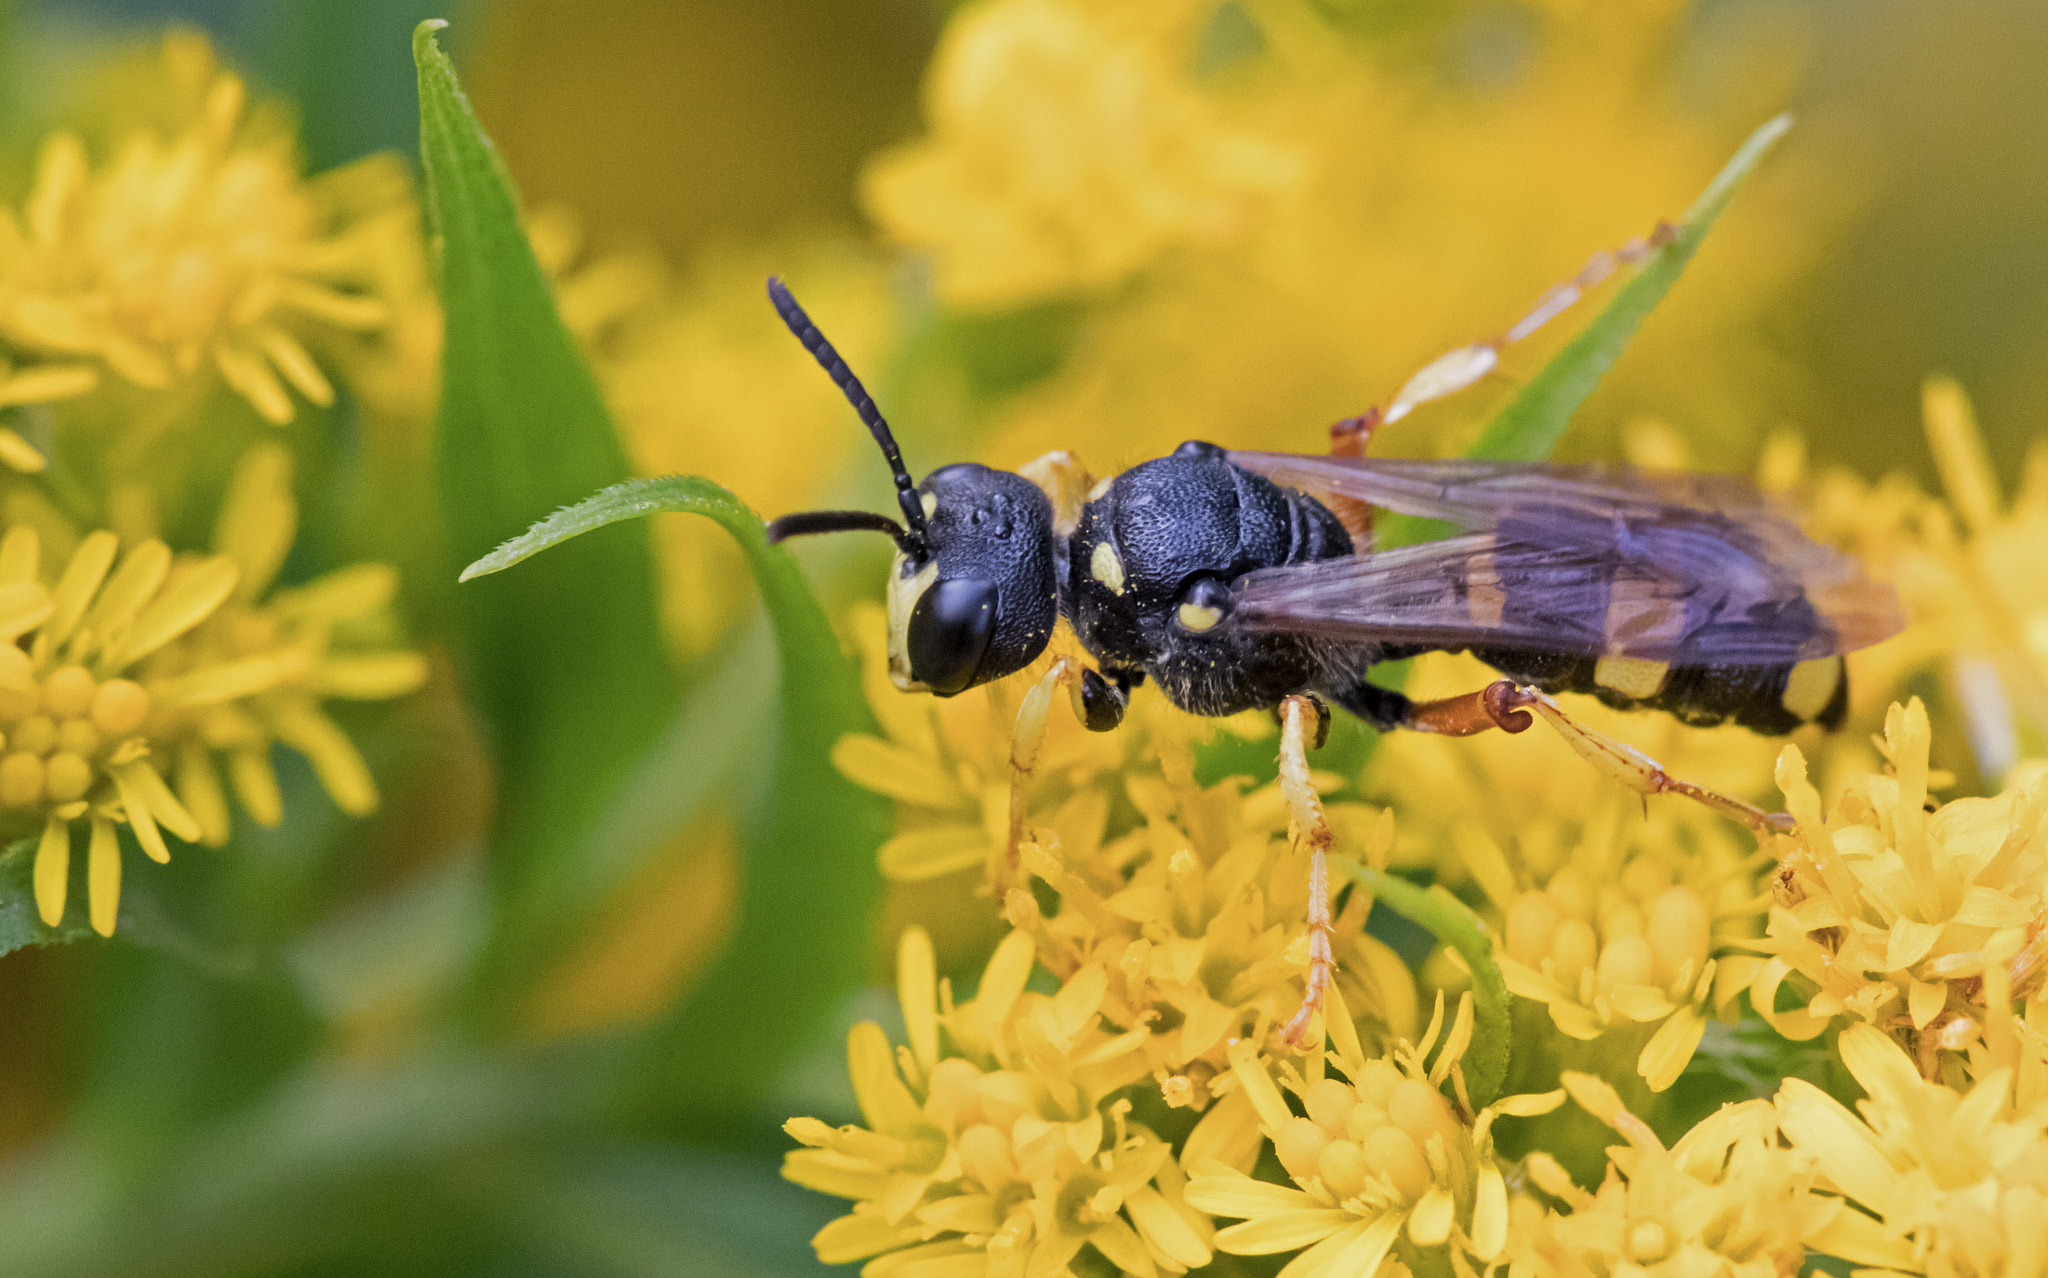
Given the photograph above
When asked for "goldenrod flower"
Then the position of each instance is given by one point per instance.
(1894, 915)
(136, 668)
(186, 256)
(1625, 919)
(1380, 1152)
(948, 761)
(1198, 911)
(994, 1143)
(1068, 150)
(1957, 1182)
(1970, 570)
(257, 669)
(1726, 1201)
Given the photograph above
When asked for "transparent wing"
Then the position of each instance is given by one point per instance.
(1690, 569)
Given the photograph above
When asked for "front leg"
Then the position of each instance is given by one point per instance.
(1101, 699)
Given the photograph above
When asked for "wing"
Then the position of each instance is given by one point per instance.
(1689, 569)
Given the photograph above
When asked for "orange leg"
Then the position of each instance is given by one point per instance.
(1305, 814)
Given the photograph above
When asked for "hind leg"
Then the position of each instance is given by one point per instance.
(1513, 707)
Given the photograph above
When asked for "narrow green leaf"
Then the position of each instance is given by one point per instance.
(1454, 924)
(800, 944)
(566, 661)
(20, 924)
(1529, 427)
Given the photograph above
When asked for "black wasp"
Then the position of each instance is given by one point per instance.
(1241, 580)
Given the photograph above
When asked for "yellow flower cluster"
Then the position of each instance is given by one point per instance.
(1377, 1154)
(1903, 914)
(183, 257)
(995, 1145)
(128, 674)
(1725, 1201)
(1970, 569)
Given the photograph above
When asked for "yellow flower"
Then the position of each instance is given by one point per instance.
(1955, 1183)
(1068, 150)
(189, 256)
(947, 761)
(1379, 1153)
(994, 1143)
(1970, 570)
(1199, 909)
(1726, 1201)
(135, 667)
(1624, 918)
(1894, 915)
(257, 670)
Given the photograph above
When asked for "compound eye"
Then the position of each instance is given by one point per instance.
(949, 633)
(1204, 603)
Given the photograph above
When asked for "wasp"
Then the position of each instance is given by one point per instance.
(1249, 580)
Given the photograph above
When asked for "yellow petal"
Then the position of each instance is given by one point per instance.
(103, 876)
(1122, 1246)
(292, 360)
(1258, 1084)
(1489, 1212)
(1924, 1001)
(875, 764)
(53, 870)
(255, 783)
(258, 517)
(1880, 1064)
(884, 1101)
(199, 789)
(1167, 1231)
(858, 1237)
(917, 855)
(135, 800)
(1282, 1231)
(24, 605)
(1908, 943)
(335, 760)
(1845, 1149)
(916, 989)
(1360, 1254)
(1959, 453)
(16, 453)
(190, 596)
(1670, 1049)
(78, 583)
(141, 574)
(1429, 1224)
(21, 555)
(370, 676)
(1232, 1193)
(253, 381)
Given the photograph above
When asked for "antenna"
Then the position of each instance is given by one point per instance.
(912, 541)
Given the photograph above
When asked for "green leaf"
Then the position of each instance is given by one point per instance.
(800, 944)
(1529, 427)
(1456, 926)
(20, 924)
(566, 661)
(145, 918)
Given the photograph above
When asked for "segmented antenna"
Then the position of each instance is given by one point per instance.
(809, 522)
(856, 395)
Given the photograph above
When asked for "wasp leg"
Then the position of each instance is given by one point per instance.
(1032, 714)
(1305, 815)
(1625, 763)
(1100, 700)
(1452, 372)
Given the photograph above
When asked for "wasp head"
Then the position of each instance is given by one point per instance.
(973, 593)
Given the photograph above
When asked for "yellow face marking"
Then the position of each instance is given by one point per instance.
(904, 592)
(1811, 685)
(930, 502)
(1632, 677)
(1199, 617)
(1106, 568)
(1101, 487)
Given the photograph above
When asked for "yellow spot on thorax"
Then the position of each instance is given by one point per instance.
(1811, 685)
(1106, 568)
